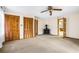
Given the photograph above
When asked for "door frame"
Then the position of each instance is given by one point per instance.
(64, 24)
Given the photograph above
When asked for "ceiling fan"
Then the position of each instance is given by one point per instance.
(51, 9)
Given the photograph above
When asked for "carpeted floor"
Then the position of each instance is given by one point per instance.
(41, 44)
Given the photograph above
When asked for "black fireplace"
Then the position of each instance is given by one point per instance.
(46, 30)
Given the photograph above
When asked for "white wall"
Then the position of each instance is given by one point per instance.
(41, 24)
(21, 27)
(1, 27)
(73, 25)
(52, 24)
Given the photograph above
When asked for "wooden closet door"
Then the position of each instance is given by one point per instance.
(15, 28)
(25, 28)
(28, 27)
(11, 27)
(35, 27)
(8, 32)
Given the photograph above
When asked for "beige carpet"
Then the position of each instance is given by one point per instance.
(41, 44)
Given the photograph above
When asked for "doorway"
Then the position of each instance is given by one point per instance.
(62, 27)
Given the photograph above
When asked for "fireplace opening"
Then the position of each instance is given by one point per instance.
(46, 30)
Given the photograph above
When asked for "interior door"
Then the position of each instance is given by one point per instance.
(35, 27)
(11, 27)
(62, 27)
(28, 27)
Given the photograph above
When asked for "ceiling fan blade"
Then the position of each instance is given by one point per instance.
(44, 11)
(58, 9)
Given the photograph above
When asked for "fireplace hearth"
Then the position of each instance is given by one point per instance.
(46, 30)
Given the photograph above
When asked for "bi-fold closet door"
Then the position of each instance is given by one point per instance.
(28, 27)
(12, 27)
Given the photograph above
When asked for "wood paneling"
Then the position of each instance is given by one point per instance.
(11, 27)
(35, 27)
(28, 27)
